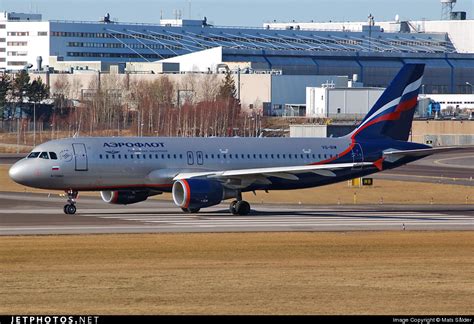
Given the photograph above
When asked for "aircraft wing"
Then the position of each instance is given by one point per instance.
(249, 176)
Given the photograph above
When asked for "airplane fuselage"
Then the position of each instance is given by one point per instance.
(109, 163)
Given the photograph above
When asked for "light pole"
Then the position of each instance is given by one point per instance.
(467, 83)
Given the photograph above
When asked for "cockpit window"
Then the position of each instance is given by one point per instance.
(33, 155)
(53, 156)
(44, 155)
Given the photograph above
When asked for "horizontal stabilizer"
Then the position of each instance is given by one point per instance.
(394, 155)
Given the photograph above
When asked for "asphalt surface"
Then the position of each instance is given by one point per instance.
(36, 214)
(32, 214)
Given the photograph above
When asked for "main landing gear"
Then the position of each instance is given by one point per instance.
(191, 210)
(70, 209)
(239, 206)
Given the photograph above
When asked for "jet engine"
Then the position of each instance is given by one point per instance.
(199, 193)
(125, 197)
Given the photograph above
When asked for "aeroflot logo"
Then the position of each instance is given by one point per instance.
(130, 144)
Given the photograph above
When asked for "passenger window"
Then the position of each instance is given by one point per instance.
(260, 155)
(181, 156)
(278, 156)
(224, 155)
(100, 156)
(169, 156)
(242, 156)
(212, 156)
(163, 156)
(125, 156)
(53, 156)
(144, 156)
(131, 156)
(150, 156)
(174, 156)
(120, 156)
(33, 155)
(248, 156)
(156, 156)
(284, 156)
(106, 156)
(271, 155)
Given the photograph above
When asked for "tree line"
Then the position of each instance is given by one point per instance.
(189, 107)
(195, 106)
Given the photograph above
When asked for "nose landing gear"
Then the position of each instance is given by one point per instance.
(70, 209)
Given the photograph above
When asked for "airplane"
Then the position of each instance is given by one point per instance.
(203, 172)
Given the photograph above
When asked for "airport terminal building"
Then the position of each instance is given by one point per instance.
(373, 53)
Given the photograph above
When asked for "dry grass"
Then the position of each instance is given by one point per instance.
(250, 273)
(390, 192)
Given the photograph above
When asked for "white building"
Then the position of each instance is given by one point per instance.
(340, 103)
(17, 38)
(460, 32)
(452, 101)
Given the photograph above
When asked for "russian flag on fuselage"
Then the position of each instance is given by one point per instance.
(392, 114)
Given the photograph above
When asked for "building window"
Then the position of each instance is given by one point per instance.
(18, 33)
(17, 63)
(17, 43)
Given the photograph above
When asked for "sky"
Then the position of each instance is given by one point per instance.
(235, 12)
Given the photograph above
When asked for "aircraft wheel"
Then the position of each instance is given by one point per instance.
(232, 207)
(242, 207)
(70, 209)
(191, 210)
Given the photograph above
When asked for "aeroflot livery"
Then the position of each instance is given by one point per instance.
(201, 172)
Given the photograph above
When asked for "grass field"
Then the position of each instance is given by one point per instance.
(383, 191)
(246, 273)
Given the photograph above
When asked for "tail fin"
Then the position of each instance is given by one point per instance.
(392, 114)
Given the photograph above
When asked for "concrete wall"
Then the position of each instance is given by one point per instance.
(255, 89)
(444, 132)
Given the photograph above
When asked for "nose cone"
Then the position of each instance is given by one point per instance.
(19, 173)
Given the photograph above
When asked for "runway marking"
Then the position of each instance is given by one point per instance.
(426, 177)
(439, 162)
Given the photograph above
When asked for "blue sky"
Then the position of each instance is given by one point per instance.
(235, 12)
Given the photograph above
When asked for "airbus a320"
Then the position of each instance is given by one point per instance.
(202, 172)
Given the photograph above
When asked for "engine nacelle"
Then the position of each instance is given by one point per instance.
(199, 193)
(125, 197)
